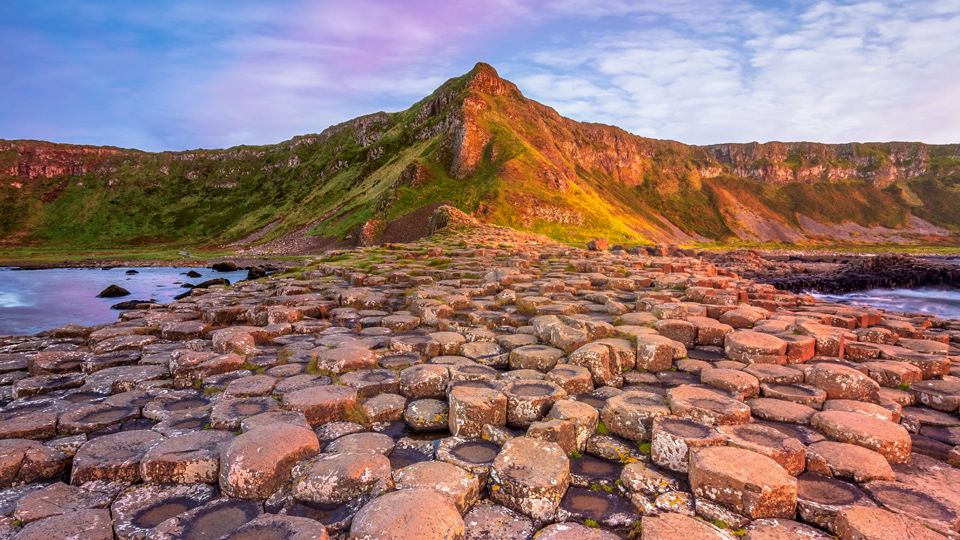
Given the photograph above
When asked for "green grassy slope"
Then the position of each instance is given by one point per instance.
(477, 143)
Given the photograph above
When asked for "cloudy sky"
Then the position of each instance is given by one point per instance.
(175, 75)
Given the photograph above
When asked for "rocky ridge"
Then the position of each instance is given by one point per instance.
(485, 383)
(480, 145)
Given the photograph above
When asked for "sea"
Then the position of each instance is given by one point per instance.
(942, 302)
(35, 300)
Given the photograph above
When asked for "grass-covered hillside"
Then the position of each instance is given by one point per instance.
(477, 143)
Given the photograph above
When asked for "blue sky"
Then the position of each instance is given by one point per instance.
(192, 74)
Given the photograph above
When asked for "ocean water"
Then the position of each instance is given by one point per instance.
(944, 303)
(35, 300)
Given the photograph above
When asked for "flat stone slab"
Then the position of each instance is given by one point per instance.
(673, 438)
(113, 457)
(631, 414)
(706, 406)
(140, 508)
(338, 478)
(841, 382)
(788, 452)
(891, 440)
(81, 524)
(23, 461)
(489, 521)
(56, 499)
(742, 481)
(409, 513)
(218, 518)
(845, 460)
(670, 526)
(258, 463)
(321, 404)
(913, 501)
(782, 529)
(530, 476)
(189, 458)
(820, 499)
(879, 524)
(456, 485)
(777, 410)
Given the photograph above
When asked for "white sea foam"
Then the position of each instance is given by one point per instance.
(936, 301)
(9, 299)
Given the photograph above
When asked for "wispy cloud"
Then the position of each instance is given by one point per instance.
(198, 74)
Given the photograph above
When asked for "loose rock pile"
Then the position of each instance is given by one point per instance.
(485, 384)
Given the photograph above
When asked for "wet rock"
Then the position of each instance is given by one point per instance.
(742, 481)
(427, 415)
(141, 508)
(225, 266)
(281, 527)
(216, 519)
(605, 508)
(473, 455)
(113, 291)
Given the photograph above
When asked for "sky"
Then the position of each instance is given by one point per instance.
(177, 75)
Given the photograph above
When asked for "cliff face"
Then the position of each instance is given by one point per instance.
(478, 143)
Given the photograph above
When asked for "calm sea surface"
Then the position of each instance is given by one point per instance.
(943, 303)
(36, 300)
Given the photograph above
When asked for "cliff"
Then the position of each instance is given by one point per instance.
(478, 143)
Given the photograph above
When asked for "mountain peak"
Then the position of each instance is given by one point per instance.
(486, 80)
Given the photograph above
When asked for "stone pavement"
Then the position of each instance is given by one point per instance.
(485, 384)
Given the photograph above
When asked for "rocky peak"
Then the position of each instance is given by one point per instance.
(486, 80)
